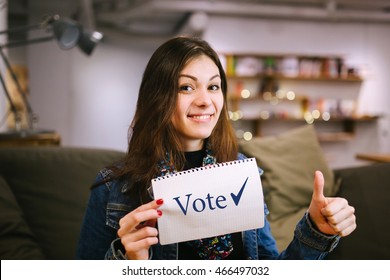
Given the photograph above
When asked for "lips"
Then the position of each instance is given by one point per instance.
(201, 117)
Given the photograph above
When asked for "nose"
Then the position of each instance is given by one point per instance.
(203, 97)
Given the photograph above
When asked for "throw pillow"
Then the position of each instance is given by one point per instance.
(17, 242)
(289, 161)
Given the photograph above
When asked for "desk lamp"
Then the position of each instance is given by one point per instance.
(68, 34)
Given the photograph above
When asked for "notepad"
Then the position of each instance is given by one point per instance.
(210, 201)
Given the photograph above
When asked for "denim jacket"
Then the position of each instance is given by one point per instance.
(112, 200)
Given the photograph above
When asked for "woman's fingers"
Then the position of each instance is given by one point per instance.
(137, 229)
(140, 234)
(151, 205)
(139, 216)
(137, 243)
(340, 216)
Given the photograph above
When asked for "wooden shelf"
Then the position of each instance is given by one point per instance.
(338, 119)
(351, 78)
(374, 157)
(335, 136)
(266, 81)
(257, 97)
(29, 138)
(331, 67)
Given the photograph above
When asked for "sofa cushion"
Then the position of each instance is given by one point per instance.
(52, 186)
(17, 241)
(289, 161)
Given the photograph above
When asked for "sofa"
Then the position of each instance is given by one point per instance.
(43, 196)
(44, 192)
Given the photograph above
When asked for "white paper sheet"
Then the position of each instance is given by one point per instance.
(210, 201)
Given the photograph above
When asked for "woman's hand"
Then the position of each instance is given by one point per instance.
(137, 230)
(331, 215)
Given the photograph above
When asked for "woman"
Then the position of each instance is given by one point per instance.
(181, 122)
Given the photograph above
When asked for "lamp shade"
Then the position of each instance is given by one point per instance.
(88, 41)
(67, 32)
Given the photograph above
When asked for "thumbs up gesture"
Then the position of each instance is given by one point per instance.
(331, 215)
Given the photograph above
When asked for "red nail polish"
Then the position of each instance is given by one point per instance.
(159, 212)
(159, 201)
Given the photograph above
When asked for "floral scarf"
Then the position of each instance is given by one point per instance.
(213, 248)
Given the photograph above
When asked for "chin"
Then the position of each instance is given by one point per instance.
(201, 135)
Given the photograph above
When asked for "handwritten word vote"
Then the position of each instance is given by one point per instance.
(210, 202)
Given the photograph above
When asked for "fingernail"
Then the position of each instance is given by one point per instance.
(159, 201)
(159, 212)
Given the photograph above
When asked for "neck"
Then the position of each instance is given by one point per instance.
(191, 146)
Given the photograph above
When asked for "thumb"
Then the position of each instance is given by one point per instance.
(318, 190)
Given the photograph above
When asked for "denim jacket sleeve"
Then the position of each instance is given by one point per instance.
(96, 235)
(109, 201)
(116, 251)
(309, 243)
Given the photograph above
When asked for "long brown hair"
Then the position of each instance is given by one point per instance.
(151, 134)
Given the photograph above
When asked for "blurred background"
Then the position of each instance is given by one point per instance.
(89, 100)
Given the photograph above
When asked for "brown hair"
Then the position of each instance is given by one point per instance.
(152, 135)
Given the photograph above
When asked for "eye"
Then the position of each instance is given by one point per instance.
(214, 87)
(185, 88)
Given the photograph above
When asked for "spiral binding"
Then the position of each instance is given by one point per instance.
(196, 169)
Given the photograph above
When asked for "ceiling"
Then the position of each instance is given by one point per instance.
(169, 17)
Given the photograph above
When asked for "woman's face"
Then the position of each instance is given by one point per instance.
(199, 104)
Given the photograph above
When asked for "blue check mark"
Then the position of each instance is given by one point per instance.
(236, 198)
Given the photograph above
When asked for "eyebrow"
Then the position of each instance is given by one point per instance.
(195, 79)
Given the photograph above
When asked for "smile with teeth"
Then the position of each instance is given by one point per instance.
(200, 117)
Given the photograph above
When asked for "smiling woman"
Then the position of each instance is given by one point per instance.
(199, 103)
(182, 122)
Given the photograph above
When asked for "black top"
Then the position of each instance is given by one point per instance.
(186, 252)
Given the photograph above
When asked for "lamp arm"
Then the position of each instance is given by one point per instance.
(27, 42)
(26, 28)
(21, 29)
(32, 117)
(13, 107)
